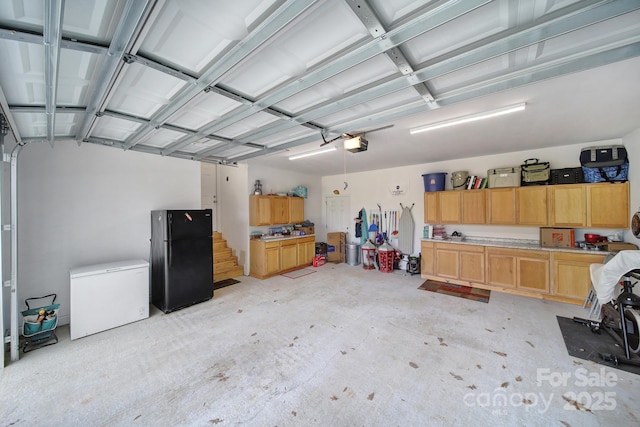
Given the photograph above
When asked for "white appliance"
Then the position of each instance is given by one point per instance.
(106, 296)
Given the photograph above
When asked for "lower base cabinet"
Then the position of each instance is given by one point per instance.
(464, 262)
(554, 275)
(571, 275)
(518, 269)
(271, 258)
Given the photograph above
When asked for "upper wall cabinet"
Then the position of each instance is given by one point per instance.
(275, 210)
(608, 205)
(501, 206)
(532, 206)
(601, 205)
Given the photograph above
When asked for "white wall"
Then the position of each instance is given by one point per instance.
(84, 205)
(366, 189)
(233, 208)
(632, 144)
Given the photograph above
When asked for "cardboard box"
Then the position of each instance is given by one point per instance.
(307, 230)
(617, 246)
(557, 237)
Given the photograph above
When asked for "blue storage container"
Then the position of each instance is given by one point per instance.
(434, 181)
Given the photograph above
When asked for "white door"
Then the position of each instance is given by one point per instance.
(209, 190)
(337, 214)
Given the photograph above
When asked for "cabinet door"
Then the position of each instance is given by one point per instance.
(446, 262)
(533, 271)
(450, 207)
(571, 275)
(296, 210)
(471, 261)
(427, 254)
(288, 254)
(568, 205)
(474, 207)
(259, 210)
(279, 210)
(306, 250)
(272, 257)
(431, 208)
(501, 268)
(608, 205)
(501, 206)
(531, 205)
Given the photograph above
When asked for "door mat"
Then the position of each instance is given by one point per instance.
(224, 283)
(586, 345)
(298, 273)
(461, 291)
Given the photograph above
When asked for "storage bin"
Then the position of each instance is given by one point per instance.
(434, 181)
(353, 254)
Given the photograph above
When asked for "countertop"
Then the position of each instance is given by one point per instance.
(277, 239)
(514, 244)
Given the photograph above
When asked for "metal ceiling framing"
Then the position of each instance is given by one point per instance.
(249, 125)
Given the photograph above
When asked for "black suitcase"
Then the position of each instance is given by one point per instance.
(567, 176)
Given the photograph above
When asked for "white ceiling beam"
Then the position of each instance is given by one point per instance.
(18, 35)
(370, 19)
(53, 12)
(267, 29)
(126, 32)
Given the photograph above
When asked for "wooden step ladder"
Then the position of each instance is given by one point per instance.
(225, 264)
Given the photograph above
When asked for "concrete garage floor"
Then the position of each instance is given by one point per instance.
(340, 347)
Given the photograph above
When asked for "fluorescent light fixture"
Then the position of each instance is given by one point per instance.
(355, 144)
(313, 153)
(471, 118)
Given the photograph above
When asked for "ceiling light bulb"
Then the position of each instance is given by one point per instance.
(470, 118)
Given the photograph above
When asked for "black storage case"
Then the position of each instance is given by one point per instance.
(567, 176)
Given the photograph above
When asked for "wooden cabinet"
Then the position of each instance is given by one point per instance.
(450, 207)
(275, 257)
(279, 210)
(306, 250)
(288, 254)
(259, 210)
(531, 206)
(431, 208)
(571, 275)
(501, 206)
(427, 254)
(474, 206)
(275, 210)
(296, 210)
(518, 269)
(568, 205)
(601, 205)
(463, 262)
(608, 205)
(265, 258)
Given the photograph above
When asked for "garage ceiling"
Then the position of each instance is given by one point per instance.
(260, 80)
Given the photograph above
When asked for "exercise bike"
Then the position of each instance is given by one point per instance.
(621, 319)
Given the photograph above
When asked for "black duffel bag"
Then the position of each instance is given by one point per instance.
(604, 163)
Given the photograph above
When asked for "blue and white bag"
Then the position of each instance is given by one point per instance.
(605, 163)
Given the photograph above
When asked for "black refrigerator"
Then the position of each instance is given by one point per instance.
(181, 258)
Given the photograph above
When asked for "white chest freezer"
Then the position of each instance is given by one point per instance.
(106, 296)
